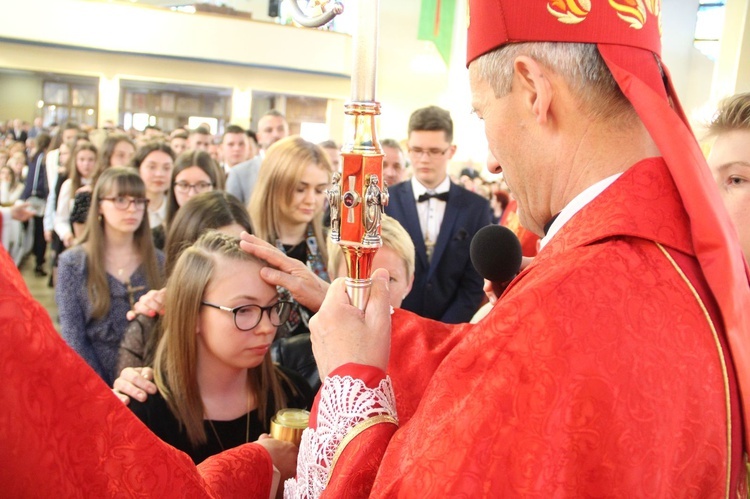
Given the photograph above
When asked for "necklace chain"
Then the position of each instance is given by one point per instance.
(247, 426)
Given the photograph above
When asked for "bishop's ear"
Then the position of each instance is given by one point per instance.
(535, 86)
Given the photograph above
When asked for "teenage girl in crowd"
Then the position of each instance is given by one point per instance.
(211, 210)
(217, 385)
(100, 279)
(117, 150)
(10, 187)
(154, 162)
(194, 172)
(81, 171)
(286, 209)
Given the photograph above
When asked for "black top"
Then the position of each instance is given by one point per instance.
(156, 415)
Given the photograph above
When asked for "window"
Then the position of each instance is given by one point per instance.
(171, 106)
(70, 99)
(709, 26)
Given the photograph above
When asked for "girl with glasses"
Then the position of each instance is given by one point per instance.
(215, 210)
(217, 386)
(112, 267)
(194, 172)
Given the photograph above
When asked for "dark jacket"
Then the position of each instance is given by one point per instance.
(446, 288)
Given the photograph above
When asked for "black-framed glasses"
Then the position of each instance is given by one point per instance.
(431, 152)
(124, 202)
(246, 317)
(199, 187)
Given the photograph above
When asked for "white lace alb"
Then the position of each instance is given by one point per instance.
(344, 403)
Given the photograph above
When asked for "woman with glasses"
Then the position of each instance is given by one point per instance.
(195, 172)
(114, 264)
(217, 386)
(215, 210)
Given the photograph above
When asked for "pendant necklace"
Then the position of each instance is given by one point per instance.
(247, 427)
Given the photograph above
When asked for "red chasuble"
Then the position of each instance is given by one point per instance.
(601, 372)
(63, 433)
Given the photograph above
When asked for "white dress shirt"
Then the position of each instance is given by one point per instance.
(576, 205)
(432, 211)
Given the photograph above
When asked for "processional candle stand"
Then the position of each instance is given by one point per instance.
(357, 195)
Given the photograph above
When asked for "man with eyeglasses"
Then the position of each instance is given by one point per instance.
(441, 219)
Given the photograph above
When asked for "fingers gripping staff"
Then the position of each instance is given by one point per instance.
(342, 334)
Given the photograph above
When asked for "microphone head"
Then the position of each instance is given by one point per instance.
(496, 253)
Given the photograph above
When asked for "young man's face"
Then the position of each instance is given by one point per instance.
(271, 129)
(234, 148)
(430, 152)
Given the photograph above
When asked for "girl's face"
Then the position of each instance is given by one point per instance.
(122, 154)
(156, 170)
(85, 163)
(64, 156)
(121, 220)
(189, 182)
(400, 283)
(309, 195)
(235, 283)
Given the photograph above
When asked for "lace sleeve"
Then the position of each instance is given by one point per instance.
(347, 407)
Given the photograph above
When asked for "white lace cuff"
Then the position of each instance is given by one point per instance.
(345, 402)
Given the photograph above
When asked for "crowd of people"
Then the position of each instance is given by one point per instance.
(197, 284)
(120, 209)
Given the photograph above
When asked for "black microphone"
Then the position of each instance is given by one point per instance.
(496, 253)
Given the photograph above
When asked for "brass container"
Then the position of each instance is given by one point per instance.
(288, 425)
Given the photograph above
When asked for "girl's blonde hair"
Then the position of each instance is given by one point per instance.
(120, 181)
(733, 114)
(175, 366)
(280, 173)
(393, 235)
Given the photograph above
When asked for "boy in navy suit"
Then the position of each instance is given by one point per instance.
(441, 219)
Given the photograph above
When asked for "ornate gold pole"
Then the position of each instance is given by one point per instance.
(356, 196)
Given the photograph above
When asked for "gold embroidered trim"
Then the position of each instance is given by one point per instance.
(721, 358)
(354, 432)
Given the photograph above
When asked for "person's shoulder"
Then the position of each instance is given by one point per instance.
(73, 257)
(245, 166)
(402, 186)
(469, 196)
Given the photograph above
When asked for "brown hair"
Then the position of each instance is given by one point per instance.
(117, 181)
(202, 160)
(432, 118)
(76, 181)
(175, 369)
(108, 148)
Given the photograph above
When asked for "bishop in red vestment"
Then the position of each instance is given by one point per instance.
(618, 363)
